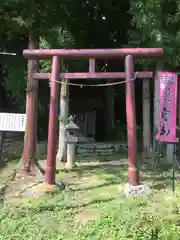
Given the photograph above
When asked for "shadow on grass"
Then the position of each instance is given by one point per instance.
(109, 183)
(160, 178)
(114, 173)
(48, 207)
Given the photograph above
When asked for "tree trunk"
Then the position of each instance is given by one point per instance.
(63, 121)
(28, 158)
(146, 118)
(110, 125)
(158, 147)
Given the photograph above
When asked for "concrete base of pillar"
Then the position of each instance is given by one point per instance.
(41, 189)
(138, 190)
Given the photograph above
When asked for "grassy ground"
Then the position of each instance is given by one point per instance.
(93, 206)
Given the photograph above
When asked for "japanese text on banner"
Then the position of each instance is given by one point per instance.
(166, 131)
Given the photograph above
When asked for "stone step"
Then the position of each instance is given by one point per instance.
(100, 148)
(91, 148)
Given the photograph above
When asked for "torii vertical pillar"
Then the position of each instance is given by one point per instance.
(50, 166)
(133, 175)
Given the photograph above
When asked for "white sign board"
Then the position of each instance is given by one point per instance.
(13, 122)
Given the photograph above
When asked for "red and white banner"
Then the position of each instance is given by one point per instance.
(166, 131)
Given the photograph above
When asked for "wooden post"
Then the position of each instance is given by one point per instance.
(1, 149)
(146, 118)
(110, 123)
(156, 111)
(49, 177)
(133, 171)
(169, 153)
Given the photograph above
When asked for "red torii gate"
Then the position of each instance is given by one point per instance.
(92, 54)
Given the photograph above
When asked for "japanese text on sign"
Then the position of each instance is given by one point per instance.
(12, 122)
(167, 109)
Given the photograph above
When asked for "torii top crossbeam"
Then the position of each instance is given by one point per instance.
(93, 53)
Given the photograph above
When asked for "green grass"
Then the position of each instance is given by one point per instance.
(93, 206)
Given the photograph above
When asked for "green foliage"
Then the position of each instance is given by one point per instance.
(55, 38)
(15, 80)
(30, 16)
(136, 218)
(155, 24)
(22, 21)
(64, 24)
(93, 206)
(22, 18)
(70, 24)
